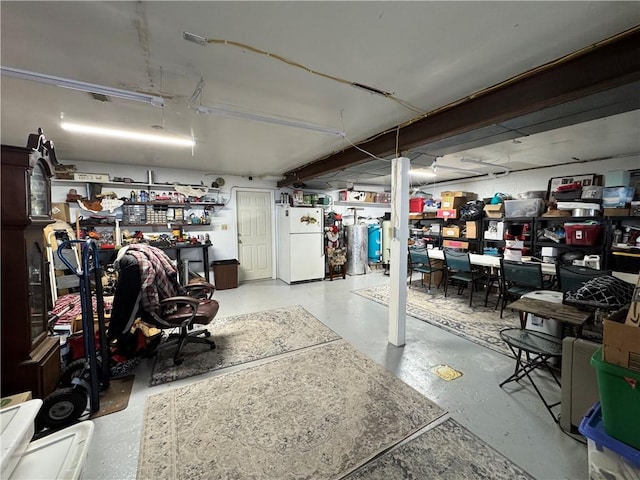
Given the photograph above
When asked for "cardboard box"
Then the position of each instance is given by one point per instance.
(91, 177)
(436, 277)
(370, 197)
(451, 231)
(449, 202)
(621, 345)
(616, 212)
(447, 213)
(60, 211)
(472, 229)
(633, 316)
(14, 399)
(455, 244)
(467, 195)
(494, 211)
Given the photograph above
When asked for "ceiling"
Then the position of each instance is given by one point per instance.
(300, 61)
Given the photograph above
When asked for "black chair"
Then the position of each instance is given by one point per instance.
(519, 279)
(419, 262)
(459, 269)
(571, 278)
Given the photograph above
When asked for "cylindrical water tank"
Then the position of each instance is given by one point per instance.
(375, 243)
(356, 249)
(386, 240)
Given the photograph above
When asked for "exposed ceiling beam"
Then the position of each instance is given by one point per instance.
(603, 66)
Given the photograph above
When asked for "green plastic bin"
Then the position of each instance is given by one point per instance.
(619, 390)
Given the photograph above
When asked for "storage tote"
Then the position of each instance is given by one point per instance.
(586, 234)
(619, 390)
(608, 458)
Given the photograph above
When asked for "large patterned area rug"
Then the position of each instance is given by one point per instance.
(446, 452)
(477, 323)
(244, 338)
(316, 414)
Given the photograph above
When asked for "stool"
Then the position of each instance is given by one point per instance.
(532, 350)
(337, 270)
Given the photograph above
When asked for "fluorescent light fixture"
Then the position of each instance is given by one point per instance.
(422, 172)
(128, 135)
(224, 111)
(154, 100)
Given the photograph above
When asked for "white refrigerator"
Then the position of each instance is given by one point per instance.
(300, 244)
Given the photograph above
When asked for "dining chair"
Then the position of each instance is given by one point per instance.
(419, 261)
(571, 278)
(519, 279)
(459, 268)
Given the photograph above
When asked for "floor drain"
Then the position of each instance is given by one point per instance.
(446, 373)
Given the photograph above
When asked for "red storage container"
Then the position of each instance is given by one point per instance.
(582, 234)
(416, 205)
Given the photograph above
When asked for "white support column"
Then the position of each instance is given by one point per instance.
(398, 261)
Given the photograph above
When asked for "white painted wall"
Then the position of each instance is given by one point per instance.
(518, 182)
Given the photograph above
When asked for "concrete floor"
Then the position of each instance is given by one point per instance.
(512, 420)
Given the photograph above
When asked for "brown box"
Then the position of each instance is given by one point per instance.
(621, 345)
(494, 211)
(472, 229)
(436, 277)
(633, 316)
(60, 211)
(370, 197)
(616, 212)
(451, 231)
(448, 202)
(467, 195)
(76, 324)
(15, 399)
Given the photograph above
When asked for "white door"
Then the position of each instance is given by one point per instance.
(254, 234)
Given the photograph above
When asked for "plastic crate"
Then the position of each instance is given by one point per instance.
(416, 205)
(608, 458)
(582, 234)
(619, 390)
(529, 207)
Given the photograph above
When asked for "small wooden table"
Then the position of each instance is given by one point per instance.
(555, 311)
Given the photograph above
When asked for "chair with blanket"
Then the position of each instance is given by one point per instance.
(571, 278)
(148, 287)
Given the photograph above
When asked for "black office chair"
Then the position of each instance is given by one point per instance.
(571, 278)
(519, 279)
(459, 268)
(419, 262)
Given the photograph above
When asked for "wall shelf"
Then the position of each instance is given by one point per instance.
(160, 186)
(362, 204)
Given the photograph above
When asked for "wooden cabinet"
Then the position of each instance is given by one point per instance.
(30, 357)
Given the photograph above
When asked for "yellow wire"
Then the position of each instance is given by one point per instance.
(309, 70)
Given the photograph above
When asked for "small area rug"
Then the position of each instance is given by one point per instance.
(116, 397)
(315, 414)
(447, 451)
(244, 338)
(477, 323)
